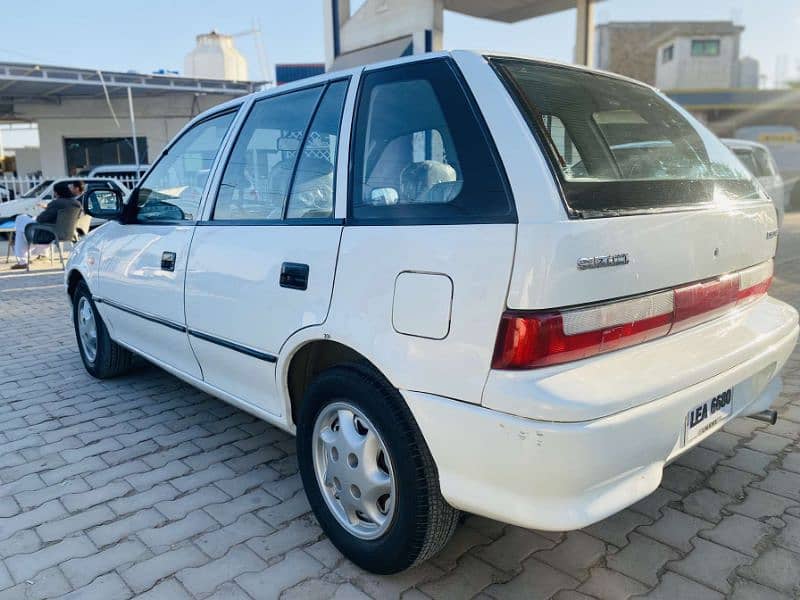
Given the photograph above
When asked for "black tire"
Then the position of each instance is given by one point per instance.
(111, 359)
(423, 522)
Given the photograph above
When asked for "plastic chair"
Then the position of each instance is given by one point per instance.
(65, 229)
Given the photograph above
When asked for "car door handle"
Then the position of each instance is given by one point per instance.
(168, 261)
(294, 276)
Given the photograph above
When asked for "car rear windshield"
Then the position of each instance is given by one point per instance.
(620, 147)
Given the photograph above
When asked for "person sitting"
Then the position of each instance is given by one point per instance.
(66, 194)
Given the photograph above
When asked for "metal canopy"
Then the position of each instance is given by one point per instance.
(25, 81)
(509, 11)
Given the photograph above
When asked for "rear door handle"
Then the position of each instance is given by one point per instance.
(294, 276)
(168, 261)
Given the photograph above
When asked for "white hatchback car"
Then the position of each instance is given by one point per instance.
(759, 161)
(454, 278)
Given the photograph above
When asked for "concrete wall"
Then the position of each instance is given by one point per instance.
(685, 71)
(158, 119)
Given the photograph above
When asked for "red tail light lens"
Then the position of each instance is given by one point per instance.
(527, 340)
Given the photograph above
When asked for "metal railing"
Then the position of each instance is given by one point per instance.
(14, 187)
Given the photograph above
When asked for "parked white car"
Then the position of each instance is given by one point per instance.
(759, 161)
(34, 200)
(452, 278)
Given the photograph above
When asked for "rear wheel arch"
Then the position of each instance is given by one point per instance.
(312, 358)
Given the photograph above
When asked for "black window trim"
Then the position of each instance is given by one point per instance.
(130, 219)
(351, 220)
(332, 220)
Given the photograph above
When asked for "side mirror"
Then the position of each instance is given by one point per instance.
(103, 204)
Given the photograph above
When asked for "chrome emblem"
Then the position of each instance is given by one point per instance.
(772, 234)
(598, 262)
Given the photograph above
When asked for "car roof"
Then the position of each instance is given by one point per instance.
(129, 167)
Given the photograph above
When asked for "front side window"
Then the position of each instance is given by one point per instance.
(420, 153)
(668, 53)
(173, 189)
(618, 146)
(705, 47)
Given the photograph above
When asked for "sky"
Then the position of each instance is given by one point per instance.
(149, 35)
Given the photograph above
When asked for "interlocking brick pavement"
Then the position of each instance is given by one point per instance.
(144, 486)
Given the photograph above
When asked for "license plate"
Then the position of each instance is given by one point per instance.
(707, 415)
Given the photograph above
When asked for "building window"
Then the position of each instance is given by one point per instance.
(83, 154)
(705, 47)
(668, 53)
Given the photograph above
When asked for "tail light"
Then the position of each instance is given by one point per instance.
(527, 340)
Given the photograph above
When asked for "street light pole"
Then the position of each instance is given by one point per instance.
(133, 130)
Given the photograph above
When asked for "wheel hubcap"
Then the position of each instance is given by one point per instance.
(354, 470)
(87, 329)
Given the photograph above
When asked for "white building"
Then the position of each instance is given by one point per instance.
(79, 128)
(697, 61)
(216, 57)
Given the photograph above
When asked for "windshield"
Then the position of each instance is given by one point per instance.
(36, 190)
(620, 147)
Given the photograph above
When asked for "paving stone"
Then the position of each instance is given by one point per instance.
(151, 497)
(296, 534)
(789, 537)
(739, 533)
(722, 442)
(149, 478)
(87, 465)
(25, 566)
(700, 459)
(32, 499)
(22, 542)
(109, 474)
(653, 504)
(50, 583)
(287, 510)
(166, 590)
(710, 564)
(730, 481)
(776, 568)
(607, 584)
(217, 543)
(158, 538)
(205, 579)
(159, 459)
(759, 504)
(317, 588)
(467, 579)
(326, 553)
(82, 501)
(125, 527)
(106, 587)
(749, 590)
(515, 545)
(615, 529)
(575, 555)
(706, 504)
(676, 587)
(63, 527)
(46, 512)
(537, 580)
(206, 459)
(286, 487)
(462, 541)
(676, 529)
(236, 486)
(750, 461)
(783, 483)
(642, 559)
(231, 591)
(680, 479)
(210, 475)
(8, 507)
(227, 512)
(268, 583)
(177, 509)
(82, 571)
(262, 456)
(767, 443)
(143, 575)
(791, 462)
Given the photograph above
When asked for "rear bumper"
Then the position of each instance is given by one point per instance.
(561, 476)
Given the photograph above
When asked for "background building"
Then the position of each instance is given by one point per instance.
(288, 72)
(216, 57)
(685, 53)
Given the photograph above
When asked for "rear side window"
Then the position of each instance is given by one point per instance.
(420, 153)
(620, 147)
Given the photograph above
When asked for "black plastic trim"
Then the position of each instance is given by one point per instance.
(145, 316)
(271, 358)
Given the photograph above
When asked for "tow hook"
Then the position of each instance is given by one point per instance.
(768, 416)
